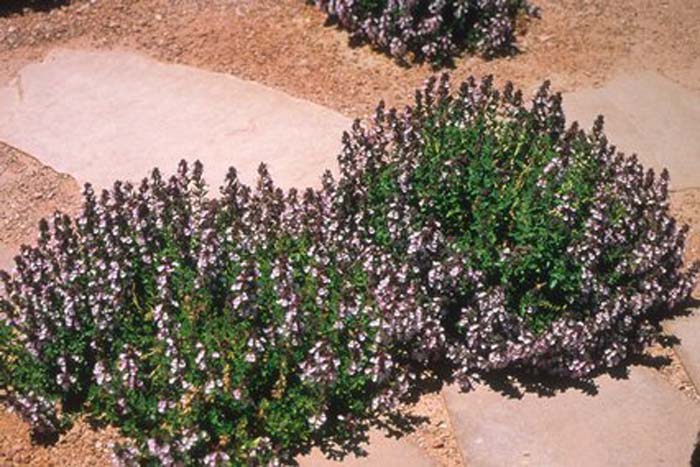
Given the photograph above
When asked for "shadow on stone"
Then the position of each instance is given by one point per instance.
(514, 384)
(395, 425)
(685, 309)
(695, 458)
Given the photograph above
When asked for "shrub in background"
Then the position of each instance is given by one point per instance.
(434, 30)
(557, 252)
(472, 231)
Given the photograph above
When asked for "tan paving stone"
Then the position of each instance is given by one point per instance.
(382, 452)
(649, 115)
(641, 421)
(100, 116)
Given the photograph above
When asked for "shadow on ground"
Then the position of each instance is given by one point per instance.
(10, 7)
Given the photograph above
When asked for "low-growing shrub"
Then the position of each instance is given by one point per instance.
(472, 232)
(433, 30)
(557, 252)
(238, 330)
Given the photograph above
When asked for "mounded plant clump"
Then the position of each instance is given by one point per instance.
(239, 330)
(472, 232)
(557, 252)
(432, 30)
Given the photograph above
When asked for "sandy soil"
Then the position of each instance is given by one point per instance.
(81, 447)
(30, 191)
(284, 44)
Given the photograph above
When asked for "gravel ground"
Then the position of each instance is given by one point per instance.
(29, 191)
(81, 447)
(285, 44)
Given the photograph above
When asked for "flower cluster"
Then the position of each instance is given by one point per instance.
(432, 30)
(473, 231)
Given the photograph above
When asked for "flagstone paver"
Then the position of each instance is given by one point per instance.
(100, 116)
(687, 330)
(637, 422)
(381, 451)
(6, 257)
(649, 115)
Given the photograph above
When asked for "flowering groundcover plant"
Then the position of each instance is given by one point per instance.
(236, 330)
(556, 251)
(472, 231)
(434, 30)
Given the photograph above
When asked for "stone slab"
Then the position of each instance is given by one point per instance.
(687, 330)
(7, 263)
(7, 256)
(649, 115)
(637, 422)
(101, 116)
(382, 452)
